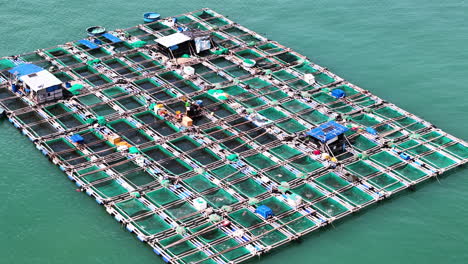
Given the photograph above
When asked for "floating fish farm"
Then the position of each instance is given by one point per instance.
(210, 142)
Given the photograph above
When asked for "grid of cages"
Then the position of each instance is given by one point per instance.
(245, 152)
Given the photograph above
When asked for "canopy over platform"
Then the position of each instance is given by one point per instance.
(35, 77)
(111, 37)
(88, 44)
(25, 69)
(173, 39)
(327, 131)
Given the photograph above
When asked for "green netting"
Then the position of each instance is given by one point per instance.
(249, 188)
(365, 120)
(306, 164)
(69, 154)
(260, 161)
(199, 183)
(411, 124)
(210, 235)
(291, 126)
(131, 208)
(233, 253)
(219, 198)
(438, 160)
(156, 122)
(273, 93)
(170, 164)
(203, 156)
(305, 68)
(93, 176)
(89, 99)
(197, 257)
(270, 48)
(152, 224)
(284, 75)
(139, 178)
(67, 118)
(323, 79)
(109, 188)
(330, 207)
(138, 44)
(179, 248)
(323, 98)
(280, 174)
(227, 171)
(409, 172)
(284, 152)
(362, 143)
(275, 205)
(162, 197)
(361, 168)
(394, 135)
(348, 90)
(234, 90)
(268, 237)
(331, 181)
(272, 114)
(246, 218)
(417, 150)
(181, 210)
(314, 117)
(5, 64)
(288, 57)
(341, 107)
(299, 222)
(458, 150)
(408, 144)
(307, 192)
(295, 106)
(356, 196)
(257, 83)
(385, 158)
(387, 112)
(386, 182)
(436, 138)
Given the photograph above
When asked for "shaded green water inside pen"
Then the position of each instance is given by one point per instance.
(411, 53)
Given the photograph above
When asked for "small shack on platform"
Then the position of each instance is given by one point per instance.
(186, 42)
(38, 84)
(330, 134)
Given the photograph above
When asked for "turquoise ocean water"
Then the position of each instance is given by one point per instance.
(411, 53)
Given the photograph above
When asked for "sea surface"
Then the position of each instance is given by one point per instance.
(412, 53)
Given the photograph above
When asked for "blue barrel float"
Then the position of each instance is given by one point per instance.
(151, 17)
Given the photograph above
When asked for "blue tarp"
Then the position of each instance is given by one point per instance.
(25, 69)
(88, 44)
(327, 131)
(111, 37)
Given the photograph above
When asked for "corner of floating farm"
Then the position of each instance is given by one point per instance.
(210, 142)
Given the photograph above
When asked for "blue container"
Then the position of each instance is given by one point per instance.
(77, 139)
(338, 93)
(404, 156)
(264, 211)
(14, 88)
(371, 131)
(151, 17)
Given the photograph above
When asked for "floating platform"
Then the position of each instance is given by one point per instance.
(254, 171)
